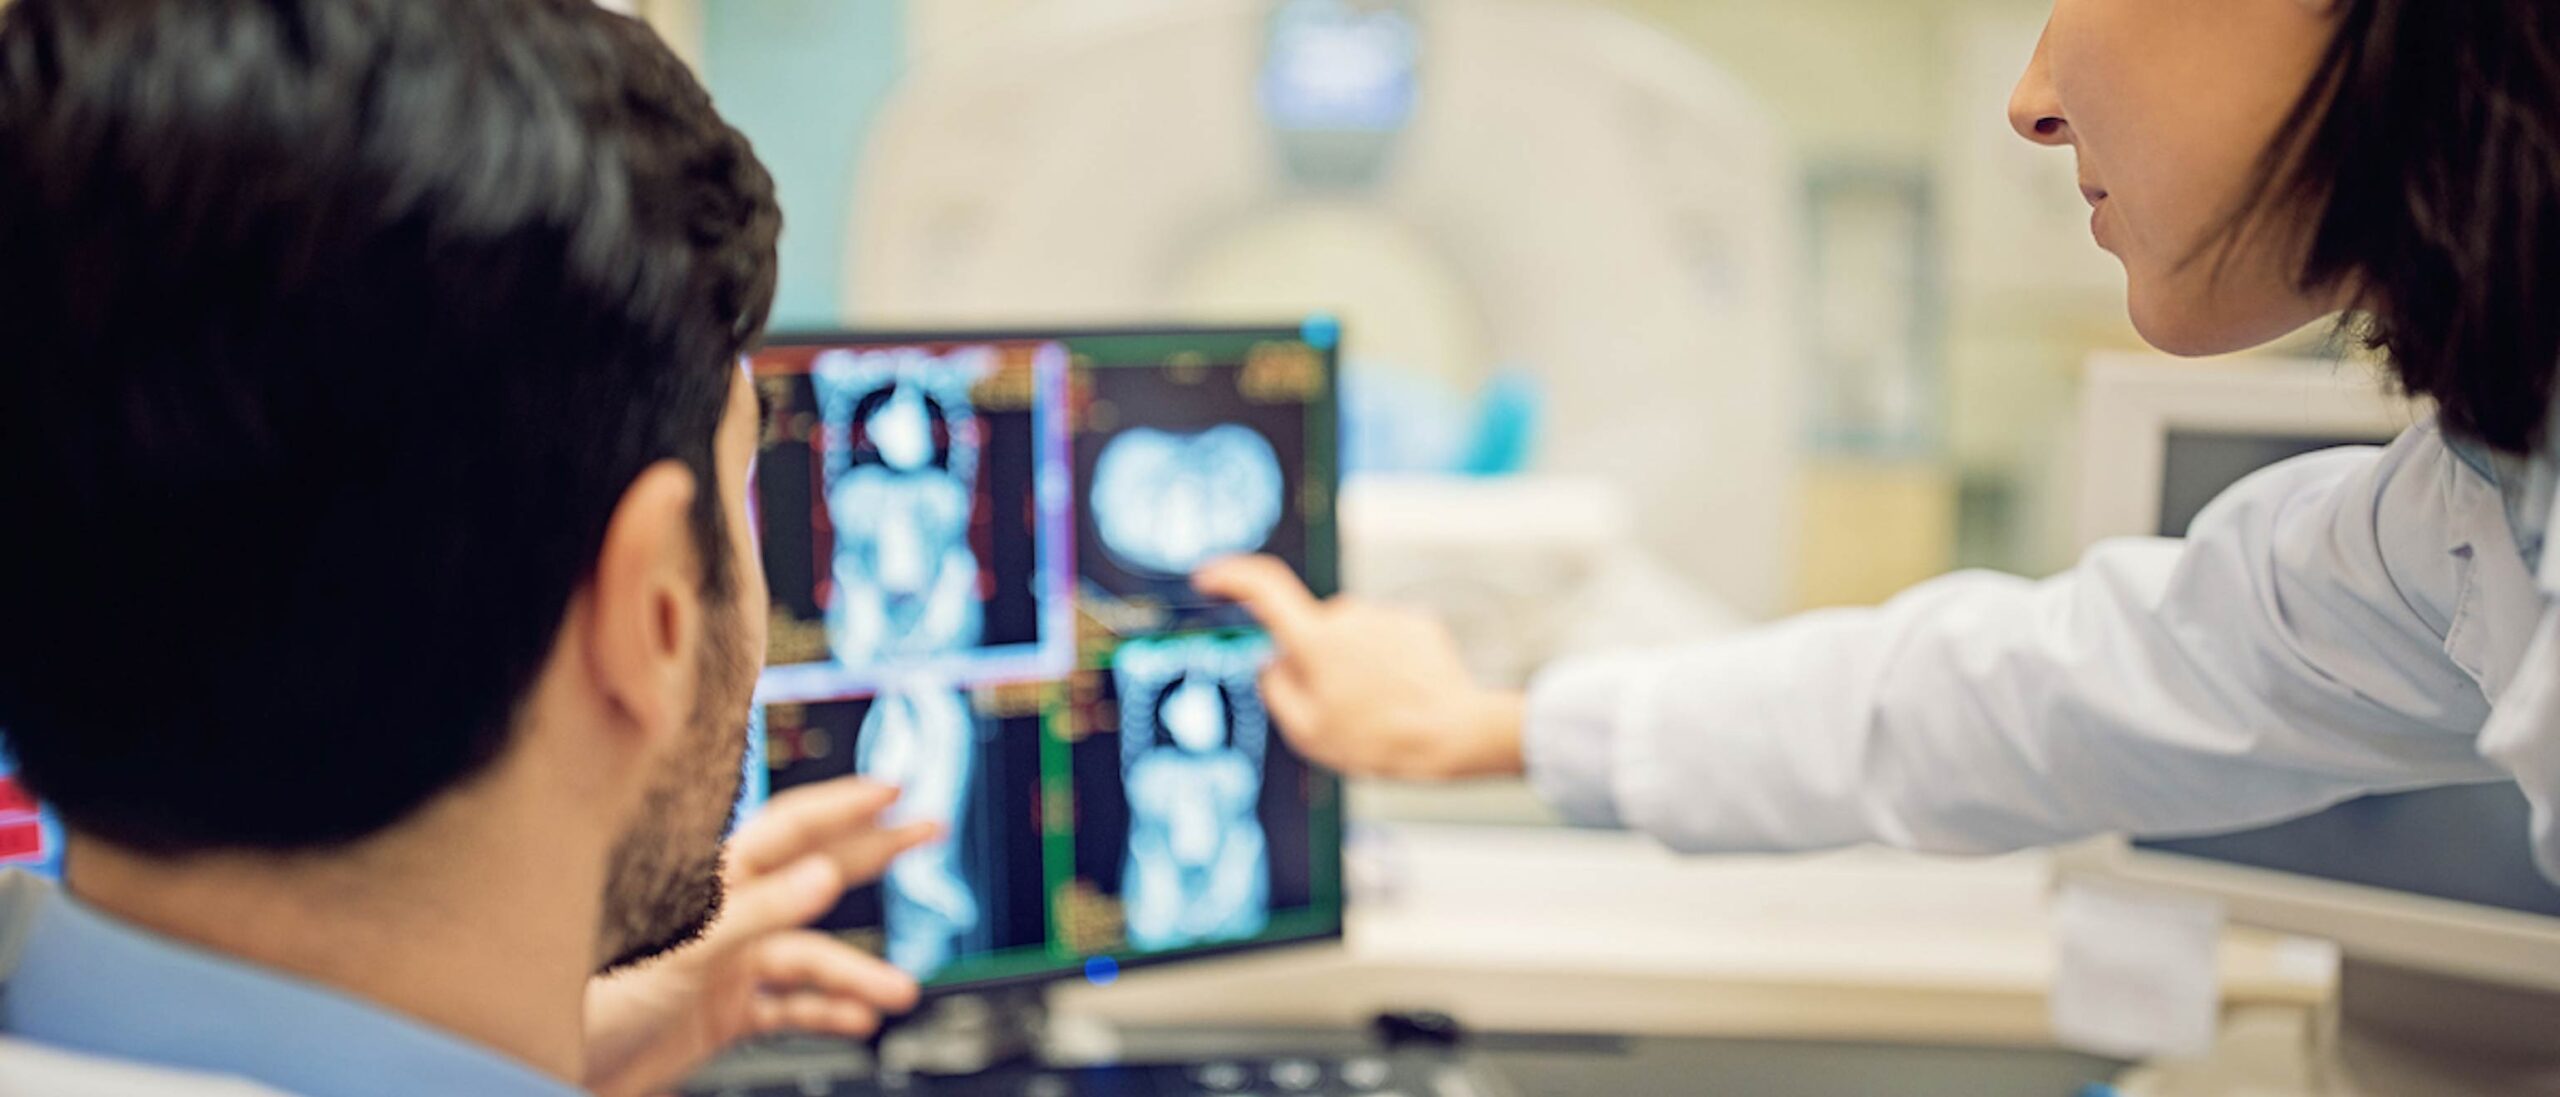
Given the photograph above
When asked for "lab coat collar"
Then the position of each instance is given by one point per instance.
(2524, 729)
(2545, 487)
(2534, 505)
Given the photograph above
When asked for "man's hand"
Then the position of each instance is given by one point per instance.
(1370, 690)
(757, 970)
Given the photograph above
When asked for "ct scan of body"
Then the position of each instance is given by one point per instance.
(902, 447)
(1193, 736)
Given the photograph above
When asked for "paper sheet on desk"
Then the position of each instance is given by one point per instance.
(2138, 976)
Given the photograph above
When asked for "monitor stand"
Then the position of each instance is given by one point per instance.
(967, 1033)
(2392, 1032)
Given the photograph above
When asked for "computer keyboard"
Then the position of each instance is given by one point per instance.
(1288, 1076)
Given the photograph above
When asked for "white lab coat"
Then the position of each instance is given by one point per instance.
(2341, 624)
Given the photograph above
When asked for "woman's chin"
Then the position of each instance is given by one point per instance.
(2185, 339)
(2191, 323)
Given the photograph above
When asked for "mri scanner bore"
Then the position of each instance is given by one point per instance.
(1192, 738)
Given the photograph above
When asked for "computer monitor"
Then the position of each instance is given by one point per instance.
(2162, 439)
(979, 546)
(2440, 882)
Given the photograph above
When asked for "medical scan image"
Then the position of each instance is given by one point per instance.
(902, 462)
(922, 740)
(1184, 457)
(1193, 737)
(901, 445)
(1167, 503)
(968, 759)
(914, 509)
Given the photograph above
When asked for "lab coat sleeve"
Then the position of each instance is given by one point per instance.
(2287, 655)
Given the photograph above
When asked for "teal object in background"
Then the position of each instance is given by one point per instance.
(803, 79)
(1506, 425)
(1397, 421)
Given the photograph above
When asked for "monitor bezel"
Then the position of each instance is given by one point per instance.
(2405, 929)
(1331, 354)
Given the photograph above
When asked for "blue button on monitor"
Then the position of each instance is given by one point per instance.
(1101, 971)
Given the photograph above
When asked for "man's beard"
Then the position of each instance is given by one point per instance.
(663, 889)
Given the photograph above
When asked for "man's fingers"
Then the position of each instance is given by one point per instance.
(785, 899)
(808, 961)
(1268, 590)
(815, 1013)
(792, 896)
(864, 855)
(804, 820)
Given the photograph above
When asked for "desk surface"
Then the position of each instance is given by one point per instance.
(1530, 929)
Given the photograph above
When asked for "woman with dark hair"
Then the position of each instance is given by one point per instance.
(2348, 622)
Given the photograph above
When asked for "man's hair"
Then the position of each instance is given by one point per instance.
(332, 332)
(2428, 149)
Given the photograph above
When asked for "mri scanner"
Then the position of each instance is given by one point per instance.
(1472, 186)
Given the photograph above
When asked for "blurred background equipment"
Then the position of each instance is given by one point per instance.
(1481, 191)
(1834, 180)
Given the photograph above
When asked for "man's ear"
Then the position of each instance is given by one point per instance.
(645, 612)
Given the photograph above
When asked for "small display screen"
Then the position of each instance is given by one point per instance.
(29, 836)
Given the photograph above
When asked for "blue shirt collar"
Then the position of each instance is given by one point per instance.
(90, 984)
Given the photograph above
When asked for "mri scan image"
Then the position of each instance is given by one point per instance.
(923, 741)
(901, 451)
(1167, 503)
(969, 759)
(915, 510)
(901, 448)
(1192, 743)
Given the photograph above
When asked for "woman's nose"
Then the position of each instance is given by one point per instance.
(2034, 110)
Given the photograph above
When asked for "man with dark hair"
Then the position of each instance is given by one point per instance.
(380, 609)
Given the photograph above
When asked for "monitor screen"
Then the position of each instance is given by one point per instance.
(980, 549)
(2197, 466)
(30, 838)
(2469, 844)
